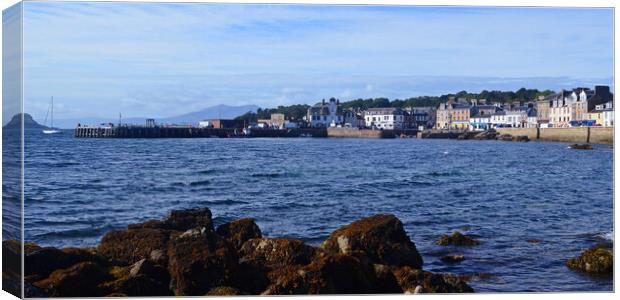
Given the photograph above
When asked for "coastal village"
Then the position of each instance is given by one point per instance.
(580, 106)
(586, 115)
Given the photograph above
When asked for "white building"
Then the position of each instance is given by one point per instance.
(498, 119)
(608, 114)
(325, 114)
(384, 118)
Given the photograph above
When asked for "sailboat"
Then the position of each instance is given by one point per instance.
(51, 129)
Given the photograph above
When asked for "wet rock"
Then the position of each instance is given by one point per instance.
(596, 260)
(504, 137)
(453, 258)
(520, 138)
(158, 256)
(224, 291)
(486, 135)
(182, 220)
(239, 231)
(386, 281)
(153, 224)
(200, 261)
(277, 252)
(143, 278)
(581, 146)
(41, 263)
(149, 268)
(412, 280)
(329, 274)
(381, 237)
(131, 245)
(80, 280)
(457, 239)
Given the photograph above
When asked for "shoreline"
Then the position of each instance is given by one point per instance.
(185, 255)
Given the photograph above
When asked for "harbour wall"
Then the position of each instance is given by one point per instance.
(595, 135)
(359, 133)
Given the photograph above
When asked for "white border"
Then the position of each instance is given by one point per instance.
(506, 3)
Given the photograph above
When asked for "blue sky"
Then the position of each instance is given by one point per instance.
(147, 59)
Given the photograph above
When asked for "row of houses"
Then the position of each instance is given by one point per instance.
(578, 107)
(331, 114)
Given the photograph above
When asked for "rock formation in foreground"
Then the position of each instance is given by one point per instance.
(598, 260)
(185, 255)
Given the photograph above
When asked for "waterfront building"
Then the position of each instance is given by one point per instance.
(498, 119)
(416, 116)
(325, 114)
(571, 107)
(604, 114)
(480, 121)
(442, 116)
(542, 110)
(460, 113)
(221, 124)
(384, 118)
(352, 119)
(277, 121)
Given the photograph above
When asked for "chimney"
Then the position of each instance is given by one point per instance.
(337, 101)
(323, 101)
(601, 89)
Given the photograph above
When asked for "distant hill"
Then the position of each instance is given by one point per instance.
(29, 122)
(214, 112)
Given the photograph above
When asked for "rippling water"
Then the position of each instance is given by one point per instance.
(507, 194)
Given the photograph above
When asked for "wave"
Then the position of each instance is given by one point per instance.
(199, 183)
(268, 175)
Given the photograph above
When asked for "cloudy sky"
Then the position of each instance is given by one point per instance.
(146, 59)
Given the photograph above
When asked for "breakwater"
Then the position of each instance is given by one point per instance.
(594, 135)
(194, 132)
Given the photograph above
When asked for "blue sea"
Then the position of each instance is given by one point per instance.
(532, 205)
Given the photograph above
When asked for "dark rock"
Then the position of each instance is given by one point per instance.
(504, 137)
(153, 224)
(80, 280)
(239, 231)
(150, 269)
(131, 245)
(199, 260)
(381, 237)
(143, 285)
(457, 239)
(277, 252)
(386, 281)
(453, 258)
(486, 135)
(410, 280)
(158, 256)
(581, 146)
(520, 138)
(329, 274)
(596, 260)
(183, 220)
(41, 263)
(224, 291)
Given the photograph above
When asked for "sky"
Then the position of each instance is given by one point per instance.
(160, 60)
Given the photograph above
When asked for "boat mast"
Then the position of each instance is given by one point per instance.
(52, 112)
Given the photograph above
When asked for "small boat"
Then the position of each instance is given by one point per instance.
(581, 146)
(51, 129)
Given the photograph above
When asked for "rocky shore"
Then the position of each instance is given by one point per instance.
(185, 255)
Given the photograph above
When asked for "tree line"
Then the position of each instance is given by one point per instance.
(296, 112)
